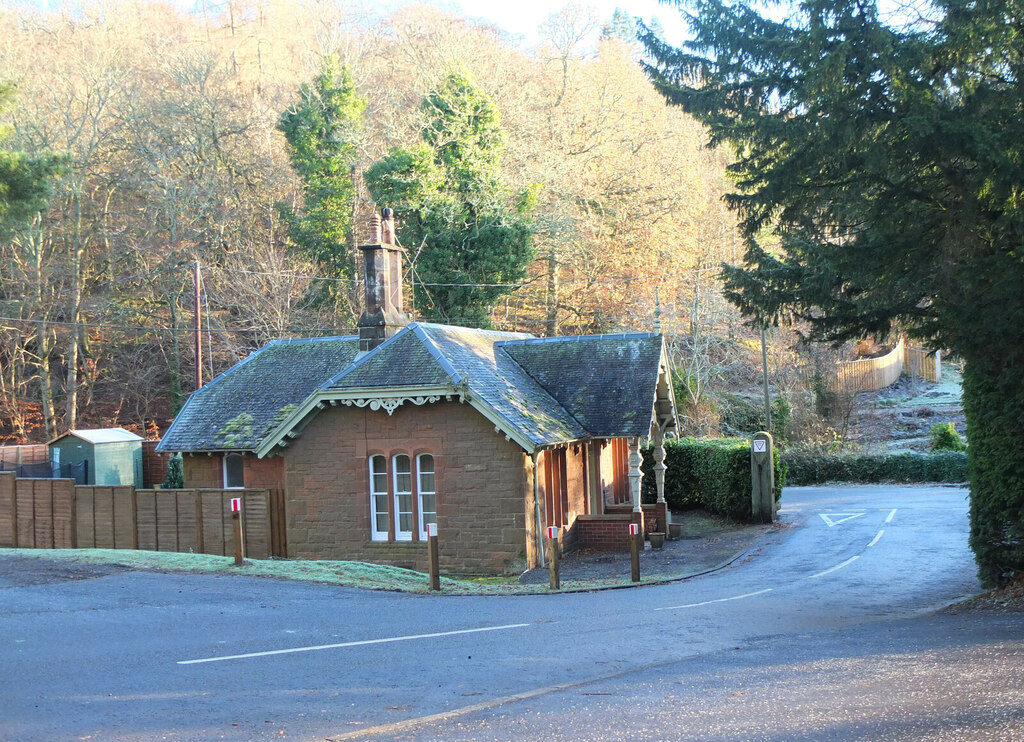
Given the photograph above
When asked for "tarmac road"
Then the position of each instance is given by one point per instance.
(825, 630)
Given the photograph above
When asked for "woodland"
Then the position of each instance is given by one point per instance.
(166, 140)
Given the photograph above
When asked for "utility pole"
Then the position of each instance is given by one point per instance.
(199, 327)
(764, 375)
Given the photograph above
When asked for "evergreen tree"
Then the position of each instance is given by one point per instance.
(322, 129)
(888, 162)
(620, 27)
(25, 180)
(448, 197)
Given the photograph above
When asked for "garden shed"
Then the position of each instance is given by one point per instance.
(104, 456)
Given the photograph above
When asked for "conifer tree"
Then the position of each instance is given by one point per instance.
(322, 130)
(25, 180)
(468, 239)
(888, 161)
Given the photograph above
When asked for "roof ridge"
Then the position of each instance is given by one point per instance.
(581, 338)
(479, 330)
(437, 354)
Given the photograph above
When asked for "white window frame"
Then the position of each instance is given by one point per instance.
(375, 533)
(421, 491)
(224, 470)
(401, 535)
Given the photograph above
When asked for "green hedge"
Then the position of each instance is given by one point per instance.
(802, 468)
(712, 473)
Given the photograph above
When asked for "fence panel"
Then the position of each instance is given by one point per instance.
(8, 522)
(256, 523)
(55, 513)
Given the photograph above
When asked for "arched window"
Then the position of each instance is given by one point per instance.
(403, 497)
(426, 487)
(234, 471)
(379, 498)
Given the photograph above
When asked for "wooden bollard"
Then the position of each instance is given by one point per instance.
(432, 560)
(634, 549)
(236, 521)
(554, 557)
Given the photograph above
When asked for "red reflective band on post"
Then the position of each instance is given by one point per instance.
(552, 531)
(634, 529)
(236, 504)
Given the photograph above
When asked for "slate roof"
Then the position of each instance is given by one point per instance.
(237, 409)
(587, 373)
(540, 391)
(502, 384)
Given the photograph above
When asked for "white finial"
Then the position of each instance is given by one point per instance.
(657, 312)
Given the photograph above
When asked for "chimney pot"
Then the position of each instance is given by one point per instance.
(374, 236)
(388, 220)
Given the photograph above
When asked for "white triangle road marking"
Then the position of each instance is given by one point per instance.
(834, 519)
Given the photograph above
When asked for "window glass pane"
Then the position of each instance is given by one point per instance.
(233, 466)
(379, 498)
(428, 498)
(403, 497)
(403, 474)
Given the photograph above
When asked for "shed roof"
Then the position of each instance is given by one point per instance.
(98, 436)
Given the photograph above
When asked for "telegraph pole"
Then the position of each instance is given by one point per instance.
(199, 327)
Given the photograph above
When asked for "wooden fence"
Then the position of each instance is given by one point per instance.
(872, 374)
(922, 364)
(57, 514)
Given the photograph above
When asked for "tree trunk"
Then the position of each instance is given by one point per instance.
(551, 324)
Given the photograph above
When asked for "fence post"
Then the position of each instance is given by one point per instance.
(433, 566)
(635, 541)
(554, 556)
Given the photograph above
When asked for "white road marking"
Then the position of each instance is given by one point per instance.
(892, 513)
(875, 539)
(833, 569)
(353, 644)
(718, 600)
(834, 519)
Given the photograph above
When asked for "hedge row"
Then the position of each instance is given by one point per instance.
(802, 468)
(712, 473)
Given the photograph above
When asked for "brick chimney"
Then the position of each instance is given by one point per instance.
(383, 313)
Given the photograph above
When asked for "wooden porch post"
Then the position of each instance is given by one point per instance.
(635, 459)
(659, 464)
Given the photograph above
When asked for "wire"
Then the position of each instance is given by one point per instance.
(426, 284)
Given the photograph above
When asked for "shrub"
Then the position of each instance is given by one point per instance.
(817, 468)
(945, 438)
(712, 473)
(174, 479)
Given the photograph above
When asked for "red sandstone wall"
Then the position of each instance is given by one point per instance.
(482, 485)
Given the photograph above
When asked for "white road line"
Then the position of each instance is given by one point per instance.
(892, 513)
(719, 600)
(353, 644)
(833, 569)
(875, 539)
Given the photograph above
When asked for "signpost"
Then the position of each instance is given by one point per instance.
(634, 549)
(762, 478)
(553, 557)
(236, 520)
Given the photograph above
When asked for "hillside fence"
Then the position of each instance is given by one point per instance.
(873, 374)
(58, 514)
